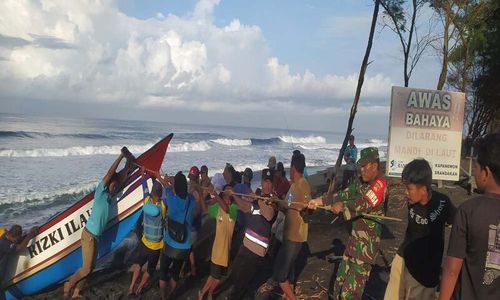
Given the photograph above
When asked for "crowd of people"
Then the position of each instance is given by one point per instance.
(250, 222)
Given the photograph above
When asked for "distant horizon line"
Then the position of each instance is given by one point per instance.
(165, 122)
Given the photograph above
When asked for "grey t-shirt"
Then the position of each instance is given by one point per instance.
(475, 237)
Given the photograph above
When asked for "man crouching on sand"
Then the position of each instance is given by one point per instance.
(97, 221)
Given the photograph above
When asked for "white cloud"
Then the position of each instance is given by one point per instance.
(89, 51)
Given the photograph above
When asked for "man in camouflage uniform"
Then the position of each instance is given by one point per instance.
(365, 195)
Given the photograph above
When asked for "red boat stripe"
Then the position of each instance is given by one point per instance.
(35, 266)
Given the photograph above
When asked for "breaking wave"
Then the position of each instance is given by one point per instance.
(188, 147)
(233, 142)
(321, 147)
(63, 194)
(35, 134)
(100, 150)
(303, 140)
(269, 141)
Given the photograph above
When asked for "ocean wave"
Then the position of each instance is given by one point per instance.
(189, 147)
(23, 134)
(366, 145)
(99, 150)
(91, 136)
(374, 141)
(232, 142)
(254, 166)
(36, 134)
(269, 141)
(320, 146)
(62, 194)
(38, 208)
(72, 151)
(303, 140)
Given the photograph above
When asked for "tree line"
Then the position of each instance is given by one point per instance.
(465, 35)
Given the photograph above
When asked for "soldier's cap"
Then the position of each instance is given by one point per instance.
(367, 155)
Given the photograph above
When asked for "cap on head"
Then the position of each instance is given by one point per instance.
(272, 162)
(204, 169)
(194, 172)
(248, 173)
(367, 155)
(267, 174)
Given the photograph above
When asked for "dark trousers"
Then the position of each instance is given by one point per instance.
(245, 266)
(284, 264)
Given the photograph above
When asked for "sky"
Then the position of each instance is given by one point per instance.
(263, 63)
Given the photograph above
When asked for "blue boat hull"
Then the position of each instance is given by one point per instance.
(70, 263)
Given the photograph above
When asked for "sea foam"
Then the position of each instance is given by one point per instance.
(100, 150)
(302, 140)
(233, 142)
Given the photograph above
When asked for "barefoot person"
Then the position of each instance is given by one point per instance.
(224, 212)
(97, 221)
(181, 207)
(295, 228)
(151, 243)
(250, 257)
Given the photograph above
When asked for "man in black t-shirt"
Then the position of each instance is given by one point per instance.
(417, 264)
(474, 249)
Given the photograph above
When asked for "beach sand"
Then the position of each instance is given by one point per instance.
(315, 280)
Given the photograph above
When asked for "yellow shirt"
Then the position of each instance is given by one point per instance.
(223, 234)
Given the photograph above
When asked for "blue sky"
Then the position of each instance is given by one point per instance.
(218, 62)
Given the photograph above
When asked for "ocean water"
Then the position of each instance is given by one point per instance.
(47, 164)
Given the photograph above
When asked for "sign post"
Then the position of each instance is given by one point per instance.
(426, 124)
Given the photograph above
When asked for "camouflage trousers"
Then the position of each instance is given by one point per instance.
(351, 278)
